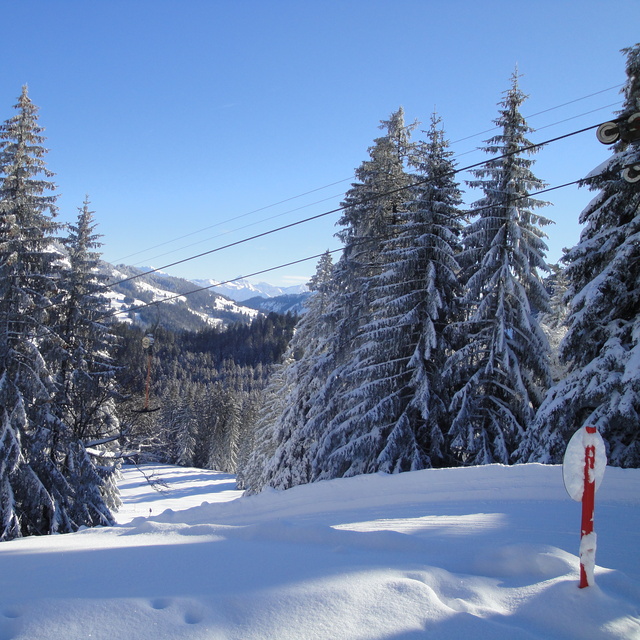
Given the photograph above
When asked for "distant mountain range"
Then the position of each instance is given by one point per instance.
(242, 290)
(133, 289)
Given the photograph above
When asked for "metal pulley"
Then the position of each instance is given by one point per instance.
(627, 130)
(632, 173)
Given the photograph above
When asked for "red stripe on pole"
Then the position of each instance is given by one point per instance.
(588, 501)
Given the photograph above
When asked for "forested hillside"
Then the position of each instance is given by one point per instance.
(205, 389)
(138, 292)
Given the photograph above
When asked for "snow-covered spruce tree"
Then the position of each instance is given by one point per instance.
(251, 411)
(428, 248)
(186, 427)
(177, 423)
(372, 208)
(251, 475)
(553, 323)
(86, 373)
(223, 448)
(291, 442)
(169, 421)
(602, 344)
(501, 369)
(392, 415)
(35, 495)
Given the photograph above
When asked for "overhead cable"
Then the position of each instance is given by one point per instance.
(246, 226)
(343, 207)
(244, 215)
(538, 113)
(314, 257)
(351, 177)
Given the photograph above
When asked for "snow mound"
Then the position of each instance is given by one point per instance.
(481, 552)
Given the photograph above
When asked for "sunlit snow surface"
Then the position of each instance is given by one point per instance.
(483, 552)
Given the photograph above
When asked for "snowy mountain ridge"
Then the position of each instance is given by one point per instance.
(242, 289)
(212, 306)
(136, 289)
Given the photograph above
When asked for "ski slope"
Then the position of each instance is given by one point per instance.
(481, 552)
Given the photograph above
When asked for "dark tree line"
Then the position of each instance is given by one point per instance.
(206, 390)
(262, 341)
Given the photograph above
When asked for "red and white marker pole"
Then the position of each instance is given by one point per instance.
(587, 534)
(583, 468)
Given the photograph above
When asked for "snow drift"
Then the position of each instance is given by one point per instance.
(485, 552)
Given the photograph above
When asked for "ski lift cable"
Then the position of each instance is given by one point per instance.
(244, 215)
(586, 113)
(547, 126)
(279, 215)
(269, 206)
(463, 214)
(559, 106)
(470, 167)
(246, 226)
(314, 257)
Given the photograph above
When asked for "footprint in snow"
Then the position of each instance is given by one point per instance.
(193, 616)
(161, 603)
(9, 623)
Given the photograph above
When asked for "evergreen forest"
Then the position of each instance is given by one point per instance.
(439, 336)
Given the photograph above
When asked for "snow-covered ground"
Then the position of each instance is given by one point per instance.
(484, 552)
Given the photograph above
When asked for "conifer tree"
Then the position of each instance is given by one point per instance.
(393, 414)
(371, 207)
(501, 369)
(253, 475)
(553, 323)
(34, 494)
(186, 426)
(287, 436)
(430, 249)
(86, 370)
(223, 426)
(251, 406)
(602, 346)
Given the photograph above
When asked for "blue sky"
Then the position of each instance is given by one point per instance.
(180, 116)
